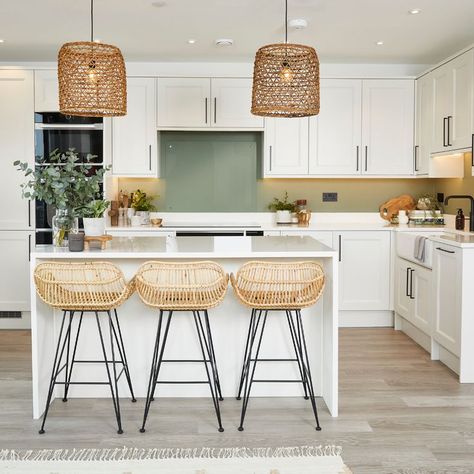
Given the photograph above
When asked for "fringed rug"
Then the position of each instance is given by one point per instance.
(298, 460)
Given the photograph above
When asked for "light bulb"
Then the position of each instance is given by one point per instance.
(91, 72)
(286, 73)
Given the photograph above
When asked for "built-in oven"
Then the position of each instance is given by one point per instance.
(55, 131)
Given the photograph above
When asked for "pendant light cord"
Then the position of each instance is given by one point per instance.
(286, 21)
(92, 21)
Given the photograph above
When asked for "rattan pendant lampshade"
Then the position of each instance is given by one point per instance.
(285, 79)
(92, 78)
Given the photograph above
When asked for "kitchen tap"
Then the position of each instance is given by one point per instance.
(471, 213)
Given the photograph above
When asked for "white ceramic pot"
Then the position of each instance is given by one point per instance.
(283, 217)
(144, 215)
(94, 226)
(136, 221)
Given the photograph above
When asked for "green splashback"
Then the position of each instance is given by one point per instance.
(211, 171)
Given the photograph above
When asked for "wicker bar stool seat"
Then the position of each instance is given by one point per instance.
(277, 286)
(81, 288)
(190, 286)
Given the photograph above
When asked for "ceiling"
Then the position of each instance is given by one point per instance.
(340, 30)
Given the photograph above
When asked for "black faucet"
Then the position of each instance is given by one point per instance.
(471, 213)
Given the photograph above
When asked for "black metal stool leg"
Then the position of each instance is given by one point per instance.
(156, 363)
(68, 376)
(244, 362)
(122, 353)
(294, 338)
(307, 369)
(206, 355)
(113, 392)
(68, 345)
(213, 354)
(54, 372)
(250, 373)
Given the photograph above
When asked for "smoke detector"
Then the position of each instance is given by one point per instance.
(224, 42)
(298, 23)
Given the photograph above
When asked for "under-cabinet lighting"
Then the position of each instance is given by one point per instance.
(447, 166)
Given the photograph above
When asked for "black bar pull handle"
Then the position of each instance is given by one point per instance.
(449, 118)
(149, 157)
(407, 282)
(215, 109)
(205, 109)
(357, 156)
(416, 157)
(29, 213)
(444, 131)
(444, 250)
(366, 148)
(270, 156)
(29, 247)
(340, 248)
(412, 270)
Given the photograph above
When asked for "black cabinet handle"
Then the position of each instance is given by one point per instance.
(357, 156)
(366, 157)
(444, 131)
(412, 270)
(340, 248)
(449, 130)
(444, 250)
(149, 157)
(270, 155)
(29, 248)
(407, 284)
(416, 157)
(205, 109)
(29, 213)
(215, 109)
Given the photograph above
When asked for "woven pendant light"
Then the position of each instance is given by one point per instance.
(92, 78)
(285, 79)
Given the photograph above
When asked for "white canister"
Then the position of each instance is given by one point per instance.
(402, 217)
(283, 217)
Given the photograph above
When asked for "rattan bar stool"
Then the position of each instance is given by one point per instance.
(272, 286)
(194, 287)
(79, 288)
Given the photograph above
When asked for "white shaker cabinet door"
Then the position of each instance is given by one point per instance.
(15, 248)
(134, 136)
(46, 91)
(335, 134)
(421, 294)
(286, 146)
(184, 102)
(402, 300)
(442, 107)
(424, 123)
(388, 113)
(16, 143)
(231, 102)
(447, 288)
(364, 270)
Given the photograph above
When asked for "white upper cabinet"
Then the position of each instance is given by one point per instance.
(286, 146)
(184, 102)
(453, 104)
(335, 134)
(46, 91)
(16, 143)
(203, 103)
(231, 100)
(388, 127)
(134, 136)
(364, 270)
(424, 124)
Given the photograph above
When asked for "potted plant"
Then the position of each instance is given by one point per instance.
(283, 209)
(62, 181)
(143, 205)
(93, 217)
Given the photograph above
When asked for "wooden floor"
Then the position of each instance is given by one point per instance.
(399, 412)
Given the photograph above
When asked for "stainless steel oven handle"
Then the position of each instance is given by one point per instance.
(65, 126)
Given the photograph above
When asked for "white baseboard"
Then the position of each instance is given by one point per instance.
(413, 332)
(365, 319)
(17, 323)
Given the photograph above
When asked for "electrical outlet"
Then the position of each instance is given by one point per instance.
(329, 197)
(440, 197)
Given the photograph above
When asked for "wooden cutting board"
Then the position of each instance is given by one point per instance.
(405, 202)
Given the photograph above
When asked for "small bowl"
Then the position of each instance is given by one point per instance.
(155, 222)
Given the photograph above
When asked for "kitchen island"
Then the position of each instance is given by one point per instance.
(229, 322)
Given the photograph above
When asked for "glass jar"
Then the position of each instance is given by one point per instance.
(64, 223)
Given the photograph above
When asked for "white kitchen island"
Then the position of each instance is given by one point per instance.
(229, 322)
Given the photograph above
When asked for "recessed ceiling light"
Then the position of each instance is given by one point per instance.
(191, 41)
(298, 23)
(379, 43)
(2, 41)
(158, 4)
(224, 42)
(414, 11)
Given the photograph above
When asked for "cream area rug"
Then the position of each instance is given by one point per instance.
(296, 460)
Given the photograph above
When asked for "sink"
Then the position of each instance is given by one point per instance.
(405, 245)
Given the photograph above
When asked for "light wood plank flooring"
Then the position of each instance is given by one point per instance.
(399, 412)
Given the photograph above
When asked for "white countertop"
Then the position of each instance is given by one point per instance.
(197, 247)
(458, 239)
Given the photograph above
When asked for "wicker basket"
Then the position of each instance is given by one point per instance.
(272, 285)
(181, 286)
(84, 286)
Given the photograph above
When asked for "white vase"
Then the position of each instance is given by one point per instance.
(283, 217)
(145, 216)
(94, 226)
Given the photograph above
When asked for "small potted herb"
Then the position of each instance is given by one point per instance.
(283, 209)
(93, 217)
(143, 205)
